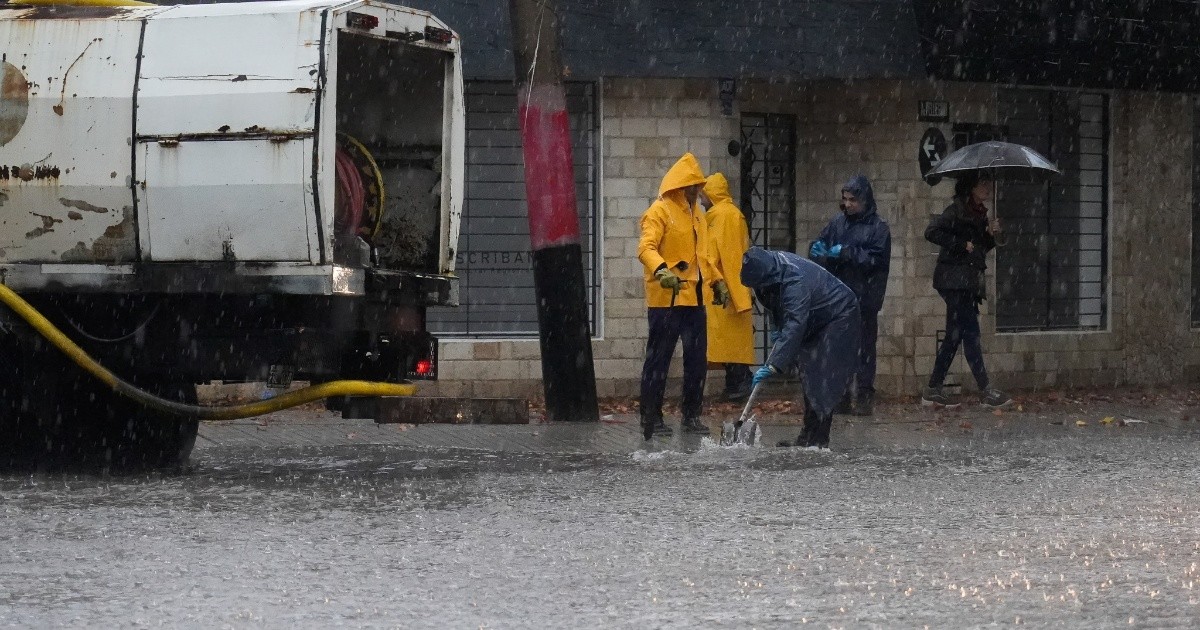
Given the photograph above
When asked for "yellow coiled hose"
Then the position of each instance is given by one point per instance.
(283, 401)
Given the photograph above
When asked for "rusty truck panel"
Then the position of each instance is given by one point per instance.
(66, 121)
(225, 134)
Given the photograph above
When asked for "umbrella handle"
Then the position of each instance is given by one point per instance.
(1000, 236)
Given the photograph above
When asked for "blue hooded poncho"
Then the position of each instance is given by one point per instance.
(817, 319)
(866, 243)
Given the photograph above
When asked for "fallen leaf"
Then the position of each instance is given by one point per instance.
(1080, 423)
(1108, 420)
(1020, 408)
(965, 425)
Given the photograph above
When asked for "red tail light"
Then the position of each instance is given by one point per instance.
(438, 35)
(424, 366)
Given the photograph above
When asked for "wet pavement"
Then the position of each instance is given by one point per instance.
(1059, 516)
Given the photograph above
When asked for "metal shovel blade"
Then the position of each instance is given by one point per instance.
(745, 430)
(740, 433)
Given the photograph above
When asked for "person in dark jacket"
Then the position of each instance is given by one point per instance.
(965, 237)
(818, 323)
(856, 247)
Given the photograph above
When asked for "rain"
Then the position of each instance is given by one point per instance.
(744, 313)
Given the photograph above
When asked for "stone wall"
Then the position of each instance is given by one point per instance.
(871, 127)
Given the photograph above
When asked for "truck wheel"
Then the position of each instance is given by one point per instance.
(54, 416)
(138, 438)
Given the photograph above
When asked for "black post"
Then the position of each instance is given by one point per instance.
(568, 374)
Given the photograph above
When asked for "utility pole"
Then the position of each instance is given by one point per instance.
(568, 374)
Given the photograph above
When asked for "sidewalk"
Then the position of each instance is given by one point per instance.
(894, 424)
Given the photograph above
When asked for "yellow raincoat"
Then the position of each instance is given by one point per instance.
(674, 232)
(730, 327)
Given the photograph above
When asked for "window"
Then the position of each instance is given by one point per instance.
(494, 262)
(1052, 265)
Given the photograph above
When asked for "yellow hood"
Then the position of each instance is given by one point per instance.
(716, 188)
(686, 172)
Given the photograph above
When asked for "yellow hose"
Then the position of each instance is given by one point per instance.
(283, 401)
(85, 3)
(377, 175)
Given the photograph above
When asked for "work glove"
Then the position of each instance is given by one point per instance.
(818, 250)
(762, 374)
(721, 295)
(666, 279)
(835, 251)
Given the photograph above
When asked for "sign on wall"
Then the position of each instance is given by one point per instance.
(933, 111)
(931, 151)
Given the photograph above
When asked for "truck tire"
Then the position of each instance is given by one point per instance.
(55, 417)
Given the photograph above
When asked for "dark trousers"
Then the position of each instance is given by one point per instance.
(737, 377)
(864, 377)
(667, 326)
(962, 328)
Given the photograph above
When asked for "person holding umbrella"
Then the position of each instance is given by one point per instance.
(965, 237)
(818, 323)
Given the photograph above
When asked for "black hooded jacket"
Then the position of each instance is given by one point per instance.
(957, 269)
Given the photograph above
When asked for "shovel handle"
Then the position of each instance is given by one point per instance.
(749, 403)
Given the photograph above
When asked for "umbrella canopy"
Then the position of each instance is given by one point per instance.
(998, 157)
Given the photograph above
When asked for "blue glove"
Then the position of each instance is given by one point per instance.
(762, 374)
(774, 337)
(817, 250)
(835, 251)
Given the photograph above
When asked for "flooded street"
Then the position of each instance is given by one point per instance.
(898, 527)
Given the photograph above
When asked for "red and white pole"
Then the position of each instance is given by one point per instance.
(568, 374)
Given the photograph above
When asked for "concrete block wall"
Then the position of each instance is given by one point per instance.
(847, 127)
(871, 127)
(646, 126)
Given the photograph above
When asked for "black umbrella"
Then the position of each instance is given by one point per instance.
(998, 157)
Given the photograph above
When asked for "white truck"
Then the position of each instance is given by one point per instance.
(254, 191)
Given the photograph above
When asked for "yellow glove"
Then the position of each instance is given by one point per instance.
(666, 279)
(721, 295)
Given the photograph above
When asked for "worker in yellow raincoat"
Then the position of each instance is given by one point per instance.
(730, 327)
(679, 276)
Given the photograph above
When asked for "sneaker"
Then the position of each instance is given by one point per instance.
(934, 397)
(693, 425)
(993, 398)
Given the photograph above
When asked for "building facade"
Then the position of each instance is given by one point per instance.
(1094, 285)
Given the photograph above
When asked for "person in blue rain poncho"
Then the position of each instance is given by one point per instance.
(818, 323)
(856, 246)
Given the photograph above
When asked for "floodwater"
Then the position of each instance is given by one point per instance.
(1089, 530)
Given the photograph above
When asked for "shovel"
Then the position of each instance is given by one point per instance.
(745, 430)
